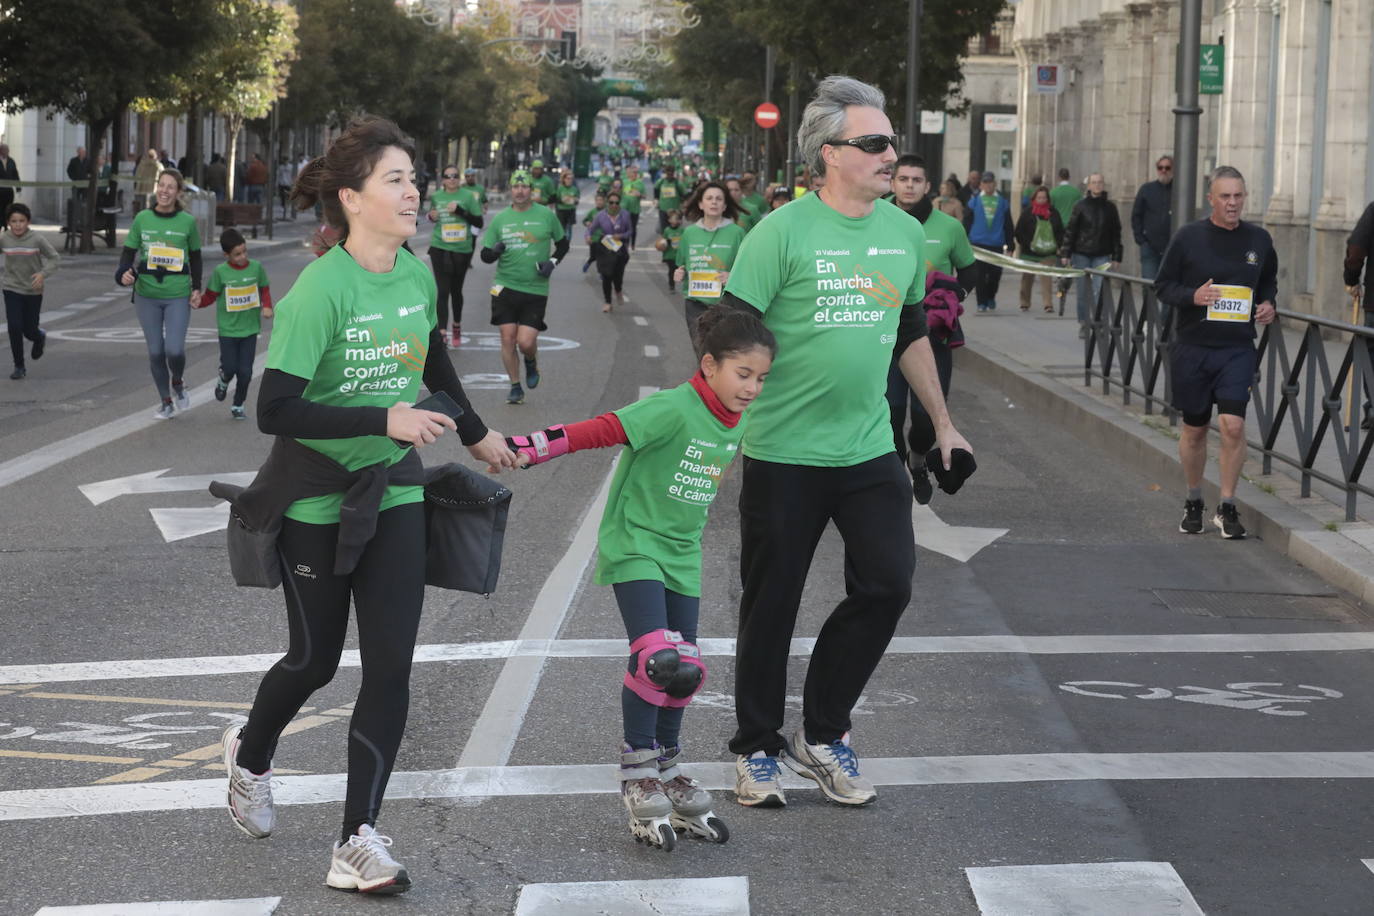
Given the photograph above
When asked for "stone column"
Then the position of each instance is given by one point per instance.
(1245, 95)
(1115, 61)
(1032, 138)
(1138, 140)
(1164, 28)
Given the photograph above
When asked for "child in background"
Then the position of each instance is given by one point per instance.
(595, 236)
(678, 444)
(29, 260)
(669, 243)
(246, 301)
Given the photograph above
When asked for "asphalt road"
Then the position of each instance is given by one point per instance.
(1086, 691)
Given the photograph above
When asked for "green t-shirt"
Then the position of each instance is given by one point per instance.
(757, 205)
(831, 289)
(163, 245)
(529, 238)
(1064, 196)
(238, 309)
(603, 182)
(633, 195)
(666, 481)
(568, 196)
(542, 190)
(481, 191)
(674, 236)
(669, 194)
(452, 231)
(705, 253)
(947, 247)
(361, 339)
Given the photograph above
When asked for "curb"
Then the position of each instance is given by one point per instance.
(1329, 554)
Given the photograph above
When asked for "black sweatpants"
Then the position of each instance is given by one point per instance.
(21, 312)
(236, 362)
(450, 267)
(649, 605)
(611, 266)
(921, 436)
(784, 509)
(989, 278)
(387, 588)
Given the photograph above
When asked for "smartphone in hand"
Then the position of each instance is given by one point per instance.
(439, 402)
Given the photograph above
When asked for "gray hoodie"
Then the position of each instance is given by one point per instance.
(26, 255)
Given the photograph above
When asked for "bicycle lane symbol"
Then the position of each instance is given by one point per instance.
(1245, 695)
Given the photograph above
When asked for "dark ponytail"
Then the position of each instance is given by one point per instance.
(723, 331)
(346, 164)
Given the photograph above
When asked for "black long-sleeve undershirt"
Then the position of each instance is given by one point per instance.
(283, 410)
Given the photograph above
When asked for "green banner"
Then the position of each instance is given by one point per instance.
(1211, 69)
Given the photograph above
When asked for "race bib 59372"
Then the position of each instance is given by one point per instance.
(1236, 304)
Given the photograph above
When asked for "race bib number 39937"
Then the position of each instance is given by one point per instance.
(167, 257)
(1236, 304)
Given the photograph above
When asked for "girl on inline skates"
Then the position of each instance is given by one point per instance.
(679, 443)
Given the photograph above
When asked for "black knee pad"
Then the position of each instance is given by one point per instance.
(1198, 419)
(1235, 408)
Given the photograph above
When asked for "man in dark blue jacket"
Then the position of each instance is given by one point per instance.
(987, 219)
(1151, 215)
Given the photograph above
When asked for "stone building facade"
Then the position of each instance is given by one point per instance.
(1296, 114)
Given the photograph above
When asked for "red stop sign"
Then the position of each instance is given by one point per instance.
(767, 115)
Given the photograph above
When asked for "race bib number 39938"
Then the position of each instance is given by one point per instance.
(241, 298)
(1236, 304)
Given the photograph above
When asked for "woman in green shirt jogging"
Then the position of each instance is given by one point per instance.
(708, 248)
(456, 212)
(354, 338)
(161, 261)
(566, 196)
(678, 444)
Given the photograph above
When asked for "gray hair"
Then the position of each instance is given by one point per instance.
(1225, 171)
(825, 114)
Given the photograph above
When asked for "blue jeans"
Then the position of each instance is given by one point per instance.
(1149, 269)
(1088, 287)
(236, 363)
(164, 323)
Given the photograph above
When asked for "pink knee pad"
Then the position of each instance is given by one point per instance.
(654, 663)
(690, 677)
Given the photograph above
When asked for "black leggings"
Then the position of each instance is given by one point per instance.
(450, 267)
(21, 311)
(387, 588)
(922, 433)
(612, 270)
(567, 219)
(646, 605)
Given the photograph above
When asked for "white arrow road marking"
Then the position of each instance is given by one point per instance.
(1081, 890)
(256, 906)
(699, 896)
(179, 524)
(153, 482)
(954, 541)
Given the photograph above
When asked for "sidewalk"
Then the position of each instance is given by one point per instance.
(1037, 360)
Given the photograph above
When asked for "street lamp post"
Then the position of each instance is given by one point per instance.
(1186, 114)
(913, 73)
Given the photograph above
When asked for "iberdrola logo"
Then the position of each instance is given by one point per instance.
(878, 288)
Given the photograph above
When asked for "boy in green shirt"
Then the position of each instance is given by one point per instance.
(246, 301)
(670, 243)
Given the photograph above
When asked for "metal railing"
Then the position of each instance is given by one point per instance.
(1295, 388)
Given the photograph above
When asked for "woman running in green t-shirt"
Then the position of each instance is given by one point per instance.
(678, 444)
(353, 339)
(708, 248)
(165, 243)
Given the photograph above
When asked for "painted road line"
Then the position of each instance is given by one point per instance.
(954, 541)
(601, 779)
(650, 350)
(1368, 863)
(54, 453)
(1081, 890)
(255, 906)
(1204, 643)
(698, 896)
(641, 321)
(136, 701)
(75, 758)
(103, 491)
(494, 733)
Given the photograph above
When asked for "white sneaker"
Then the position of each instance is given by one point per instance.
(164, 411)
(834, 767)
(250, 795)
(757, 781)
(363, 864)
(183, 400)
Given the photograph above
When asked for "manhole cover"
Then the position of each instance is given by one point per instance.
(1261, 605)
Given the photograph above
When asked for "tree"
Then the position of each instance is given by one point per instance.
(90, 59)
(239, 77)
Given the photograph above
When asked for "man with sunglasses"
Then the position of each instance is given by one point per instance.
(838, 277)
(456, 212)
(1151, 215)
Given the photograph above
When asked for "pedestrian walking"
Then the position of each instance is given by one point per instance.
(526, 242)
(9, 171)
(971, 188)
(1152, 216)
(987, 220)
(145, 179)
(649, 552)
(29, 260)
(242, 297)
(948, 201)
(1064, 195)
(838, 278)
(613, 229)
(949, 255)
(1221, 275)
(161, 261)
(1092, 239)
(353, 339)
(217, 176)
(456, 212)
(286, 176)
(1358, 250)
(710, 244)
(1039, 234)
(256, 178)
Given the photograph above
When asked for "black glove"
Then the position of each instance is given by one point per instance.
(961, 468)
(499, 247)
(545, 268)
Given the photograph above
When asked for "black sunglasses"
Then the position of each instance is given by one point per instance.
(869, 143)
(1164, 168)
(613, 200)
(450, 174)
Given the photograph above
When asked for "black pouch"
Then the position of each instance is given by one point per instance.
(253, 557)
(465, 523)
